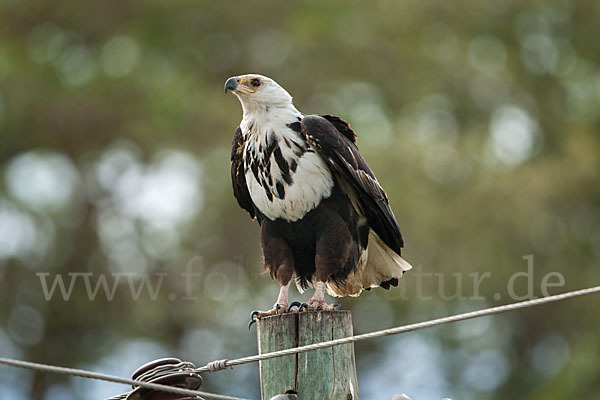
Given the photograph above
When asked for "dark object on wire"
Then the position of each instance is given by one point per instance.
(164, 371)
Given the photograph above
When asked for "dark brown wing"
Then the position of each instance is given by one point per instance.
(342, 126)
(238, 177)
(339, 149)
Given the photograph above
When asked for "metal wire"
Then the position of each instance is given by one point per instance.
(223, 364)
(110, 378)
(210, 367)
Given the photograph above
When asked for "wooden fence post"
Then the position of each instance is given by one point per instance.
(326, 374)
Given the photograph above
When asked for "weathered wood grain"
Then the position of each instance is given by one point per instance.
(326, 374)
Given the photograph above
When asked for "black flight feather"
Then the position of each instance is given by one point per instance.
(335, 141)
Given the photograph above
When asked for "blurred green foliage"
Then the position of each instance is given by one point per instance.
(481, 120)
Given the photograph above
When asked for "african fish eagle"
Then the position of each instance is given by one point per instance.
(322, 213)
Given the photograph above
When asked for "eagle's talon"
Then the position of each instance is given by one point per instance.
(276, 310)
(253, 318)
(337, 305)
(280, 308)
(252, 321)
(294, 304)
(302, 307)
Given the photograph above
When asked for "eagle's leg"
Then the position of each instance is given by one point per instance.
(331, 255)
(279, 262)
(318, 303)
(281, 306)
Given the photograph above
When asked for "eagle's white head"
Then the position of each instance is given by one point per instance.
(258, 93)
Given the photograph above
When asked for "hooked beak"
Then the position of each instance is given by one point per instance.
(231, 84)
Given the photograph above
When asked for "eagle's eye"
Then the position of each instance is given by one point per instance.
(255, 82)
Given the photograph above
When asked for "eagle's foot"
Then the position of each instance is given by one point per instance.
(318, 303)
(321, 305)
(277, 309)
(301, 306)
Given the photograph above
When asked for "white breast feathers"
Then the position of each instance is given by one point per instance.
(285, 176)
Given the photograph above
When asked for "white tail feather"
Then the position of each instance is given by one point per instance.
(378, 264)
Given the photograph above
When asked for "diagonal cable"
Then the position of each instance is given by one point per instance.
(110, 378)
(224, 364)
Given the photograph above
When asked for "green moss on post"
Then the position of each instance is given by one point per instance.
(328, 374)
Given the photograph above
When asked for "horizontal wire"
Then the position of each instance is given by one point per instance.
(110, 378)
(223, 364)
